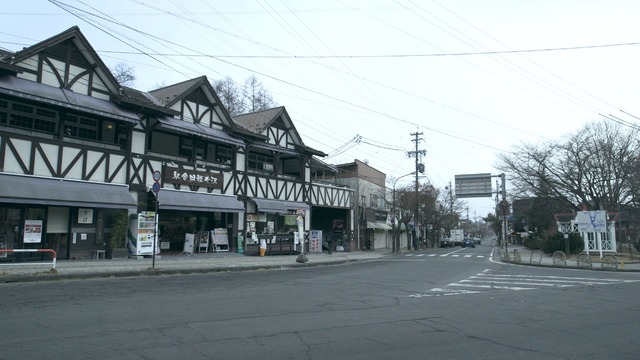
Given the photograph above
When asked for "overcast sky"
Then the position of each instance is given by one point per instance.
(474, 77)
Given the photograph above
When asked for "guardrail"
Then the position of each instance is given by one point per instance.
(53, 262)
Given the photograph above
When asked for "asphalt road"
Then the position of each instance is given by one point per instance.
(437, 304)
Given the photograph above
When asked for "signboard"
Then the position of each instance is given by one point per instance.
(315, 241)
(188, 243)
(85, 216)
(592, 221)
(192, 177)
(473, 185)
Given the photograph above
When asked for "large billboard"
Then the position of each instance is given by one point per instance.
(473, 185)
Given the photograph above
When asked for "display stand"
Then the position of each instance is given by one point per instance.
(220, 239)
(188, 244)
(202, 239)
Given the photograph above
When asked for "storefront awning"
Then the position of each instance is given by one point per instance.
(279, 206)
(378, 226)
(57, 192)
(192, 201)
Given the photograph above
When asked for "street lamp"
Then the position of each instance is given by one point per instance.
(396, 237)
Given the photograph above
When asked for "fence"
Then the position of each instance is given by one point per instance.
(53, 253)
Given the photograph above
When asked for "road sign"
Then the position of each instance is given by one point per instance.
(156, 187)
(156, 175)
(473, 185)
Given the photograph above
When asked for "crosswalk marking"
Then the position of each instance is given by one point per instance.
(488, 280)
(445, 255)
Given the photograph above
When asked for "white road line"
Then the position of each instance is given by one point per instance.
(493, 287)
(488, 280)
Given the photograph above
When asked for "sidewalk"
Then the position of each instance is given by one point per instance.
(172, 264)
(229, 261)
(519, 254)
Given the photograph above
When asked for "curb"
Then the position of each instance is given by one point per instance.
(160, 271)
(568, 266)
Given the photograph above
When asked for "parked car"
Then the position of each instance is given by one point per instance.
(446, 242)
(477, 241)
(468, 243)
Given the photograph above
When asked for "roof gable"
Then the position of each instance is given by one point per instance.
(69, 62)
(196, 100)
(277, 126)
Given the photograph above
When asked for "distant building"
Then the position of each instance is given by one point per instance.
(368, 183)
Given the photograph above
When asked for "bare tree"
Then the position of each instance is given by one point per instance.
(239, 100)
(256, 96)
(596, 167)
(230, 95)
(124, 74)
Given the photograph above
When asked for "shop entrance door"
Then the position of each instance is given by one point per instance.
(9, 230)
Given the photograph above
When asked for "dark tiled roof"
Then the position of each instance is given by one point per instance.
(259, 120)
(170, 94)
(137, 98)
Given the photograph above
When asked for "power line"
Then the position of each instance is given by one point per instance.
(373, 56)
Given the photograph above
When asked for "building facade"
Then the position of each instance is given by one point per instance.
(368, 183)
(77, 149)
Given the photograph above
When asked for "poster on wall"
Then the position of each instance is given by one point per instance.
(32, 231)
(338, 226)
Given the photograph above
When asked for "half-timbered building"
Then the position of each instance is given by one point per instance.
(64, 148)
(277, 182)
(77, 149)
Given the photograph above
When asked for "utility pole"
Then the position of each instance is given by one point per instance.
(450, 188)
(419, 170)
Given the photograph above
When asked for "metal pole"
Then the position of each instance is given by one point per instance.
(416, 217)
(504, 211)
(393, 218)
(155, 234)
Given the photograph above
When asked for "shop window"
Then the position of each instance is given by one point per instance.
(292, 167)
(3, 112)
(260, 162)
(86, 128)
(201, 150)
(210, 152)
(29, 117)
(373, 201)
(163, 143)
(224, 154)
(186, 148)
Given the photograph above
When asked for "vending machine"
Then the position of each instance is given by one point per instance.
(142, 229)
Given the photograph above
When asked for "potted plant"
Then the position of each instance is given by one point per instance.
(117, 242)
